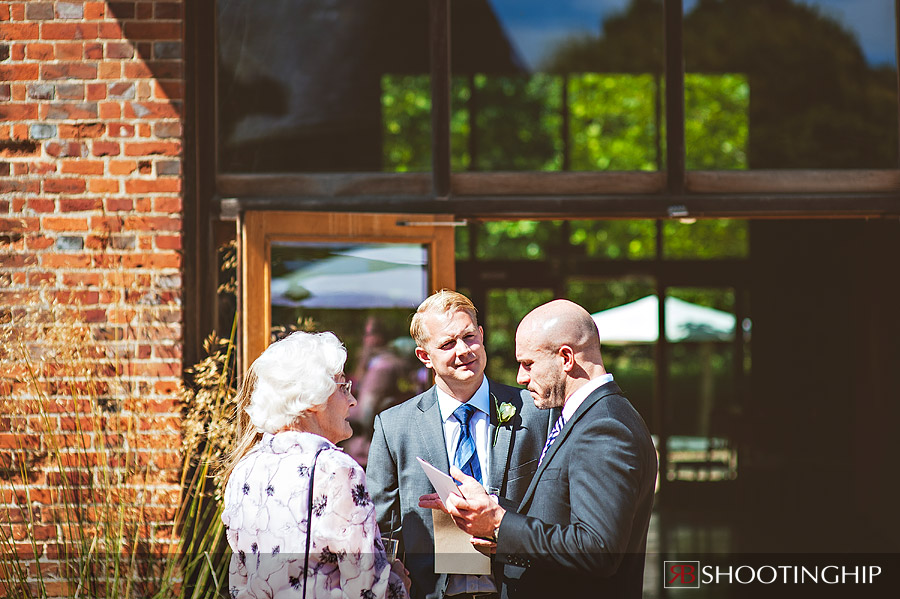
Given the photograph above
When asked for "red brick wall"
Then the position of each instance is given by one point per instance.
(91, 167)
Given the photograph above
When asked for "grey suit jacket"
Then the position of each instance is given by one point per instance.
(582, 525)
(396, 480)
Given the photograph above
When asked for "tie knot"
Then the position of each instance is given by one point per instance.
(463, 413)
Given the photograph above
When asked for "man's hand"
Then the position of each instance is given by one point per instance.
(432, 501)
(486, 547)
(478, 514)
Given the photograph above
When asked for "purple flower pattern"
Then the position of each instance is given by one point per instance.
(265, 510)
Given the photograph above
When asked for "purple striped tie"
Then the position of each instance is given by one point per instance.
(554, 432)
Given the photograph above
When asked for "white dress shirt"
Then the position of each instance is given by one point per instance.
(479, 427)
(574, 401)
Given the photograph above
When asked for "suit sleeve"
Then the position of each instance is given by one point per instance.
(381, 474)
(603, 488)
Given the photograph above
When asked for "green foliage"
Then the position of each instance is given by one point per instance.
(716, 121)
(706, 239)
(613, 122)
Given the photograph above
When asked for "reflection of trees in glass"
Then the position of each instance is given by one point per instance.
(814, 100)
(716, 119)
(706, 239)
(614, 239)
(613, 122)
(518, 121)
(406, 115)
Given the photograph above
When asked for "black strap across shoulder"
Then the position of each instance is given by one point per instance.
(312, 474)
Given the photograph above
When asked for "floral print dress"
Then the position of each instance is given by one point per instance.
(265, 513)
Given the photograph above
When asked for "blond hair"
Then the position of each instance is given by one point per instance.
(441, 302)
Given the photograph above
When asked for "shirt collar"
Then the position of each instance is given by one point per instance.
(574, 401)
(481, 401)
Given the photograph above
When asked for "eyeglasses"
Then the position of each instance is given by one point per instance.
(346, 387)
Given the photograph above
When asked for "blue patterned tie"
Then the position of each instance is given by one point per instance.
(466, 458)
(554, 432)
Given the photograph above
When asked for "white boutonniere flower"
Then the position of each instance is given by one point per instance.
(505, 413)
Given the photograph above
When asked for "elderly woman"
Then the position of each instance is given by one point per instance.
(298, 514)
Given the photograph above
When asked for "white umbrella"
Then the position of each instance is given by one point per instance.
(366, 276)
(638, 322)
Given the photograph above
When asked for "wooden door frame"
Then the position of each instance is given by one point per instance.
(260, 228)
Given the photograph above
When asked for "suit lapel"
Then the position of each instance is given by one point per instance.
(499, 451)
(430, 427)
(607, 389)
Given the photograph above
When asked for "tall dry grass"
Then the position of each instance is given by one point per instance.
(103, 492)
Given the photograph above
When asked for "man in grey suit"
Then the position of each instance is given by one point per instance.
(491, 431)
(582, 525)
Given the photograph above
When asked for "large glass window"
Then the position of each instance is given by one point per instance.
(802, 84)
(301, 83)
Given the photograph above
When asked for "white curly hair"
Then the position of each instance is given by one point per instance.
(293, 375)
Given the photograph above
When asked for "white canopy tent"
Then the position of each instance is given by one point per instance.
(638, 322)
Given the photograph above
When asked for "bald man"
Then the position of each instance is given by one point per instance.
(581, 527)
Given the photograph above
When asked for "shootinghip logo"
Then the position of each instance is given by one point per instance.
(691, 575)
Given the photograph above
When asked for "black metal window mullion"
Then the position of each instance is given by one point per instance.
(440, 97)
(674, 60)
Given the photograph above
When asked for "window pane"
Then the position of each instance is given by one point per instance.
(790, 84)
(706, 239)
(364, 293)
(704, 408)
(505, 309)
(567, 85)
(302, 85)
(631, 362)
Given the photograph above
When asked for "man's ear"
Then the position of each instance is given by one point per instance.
(423, 357)
(568, 357)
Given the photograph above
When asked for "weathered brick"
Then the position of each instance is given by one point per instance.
(19, 31)
(144, 30)
(18, 112)
(64, 224)
(70, 70)
(167, 50)
(121, 90)
(39, 51)
(151, 148)
(39, 11)
(19, 72)
(41, 205)
(70, 91)
(64, 185)
(69, 10)
(110, 110)
(66, 150)
(65, 260)
(94, 10)
(81, 110)
(122, 167)
(69, 242)
(41, 91)
(96, 91)
(122, 10)
(69, 31)
(119, 50)
(152, 223)
(93, 51)
(168, 167)
(152, 185)
(42, 131)
(106, 148)
(82, 130)
(110, 30)
(121, 130)
(71, 51)
(103, 186)
(82, 167)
